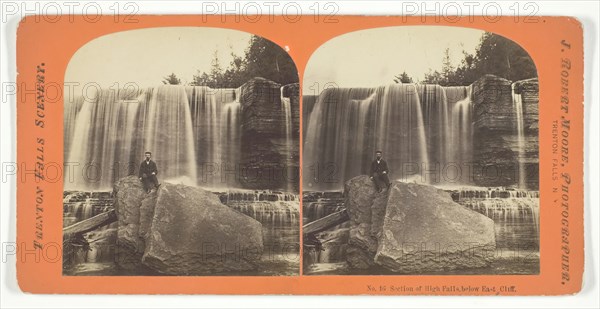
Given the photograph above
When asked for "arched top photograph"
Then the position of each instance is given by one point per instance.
(197, 126)
(420, 134)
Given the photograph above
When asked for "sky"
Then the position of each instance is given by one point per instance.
(365, 58)
(146, 56)
(370, 58)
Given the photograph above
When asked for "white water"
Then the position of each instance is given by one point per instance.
(114, 128)
(287, 120)
(518, 109)
(418, 127)
(194, 134)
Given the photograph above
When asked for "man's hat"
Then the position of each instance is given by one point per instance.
(378, 151)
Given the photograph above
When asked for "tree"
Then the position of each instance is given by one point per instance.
(235, 75)
(201, 79)
(495, 55)
(403, 78)
(262, 58)
(502, 57)
(171, 80)
(447, 68)
(433, 77)
(266, 59)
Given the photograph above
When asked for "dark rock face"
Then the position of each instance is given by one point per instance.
(182, 230)
(495, 140)
(414, 228)
(269, 159)
(529, 91)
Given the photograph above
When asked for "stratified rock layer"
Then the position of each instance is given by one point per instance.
(495, 138)
(269, 157)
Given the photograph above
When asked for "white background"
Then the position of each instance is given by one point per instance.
(586, 11)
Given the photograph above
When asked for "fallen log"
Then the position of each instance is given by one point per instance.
(326, 222)
(90, 224)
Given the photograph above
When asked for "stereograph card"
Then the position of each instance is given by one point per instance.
(379, 155)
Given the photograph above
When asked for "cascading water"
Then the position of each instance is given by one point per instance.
(308, 103)
(114, 128)
(278, 213)
(193, 132)
(216, 122)
(518, 110)
(461, 127)
(515, 213)
(71, 109)
(424, 131)
(286, 106)
(418, 128)
(79, 206)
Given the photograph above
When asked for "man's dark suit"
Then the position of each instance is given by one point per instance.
(377, 172)
(147, 168)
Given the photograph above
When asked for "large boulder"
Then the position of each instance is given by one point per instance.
(414, 228)
(362, 201)
(193, 233)
(424, 230)
(128, 197)
(183, 230)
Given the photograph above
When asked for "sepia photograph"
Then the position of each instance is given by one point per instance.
(182, 146)
(420, 154)
(349, 155)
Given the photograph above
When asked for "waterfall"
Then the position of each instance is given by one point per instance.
(112, 130)
(308, 103)
(328, 142)
(419, 128)
(78, 206)
(230, 137)
(461, 128)
(518, 110)
(71, 109)
(217, 132)
(278, 212)
(168, 134)
(316, 205)
(193, 133)
(401, 130)
(516, 214)
(286, 107)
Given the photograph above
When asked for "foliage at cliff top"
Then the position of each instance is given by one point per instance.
(262, 58)
(495, 55)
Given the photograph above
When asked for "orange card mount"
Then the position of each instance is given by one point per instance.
(377, 155)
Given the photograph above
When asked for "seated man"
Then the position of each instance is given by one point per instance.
(379, 172)
(148, 173)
